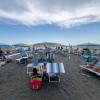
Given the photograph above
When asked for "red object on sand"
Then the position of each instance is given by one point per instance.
(97, 69)
(36, 84)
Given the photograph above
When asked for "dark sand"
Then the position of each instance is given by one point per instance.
(75, 84)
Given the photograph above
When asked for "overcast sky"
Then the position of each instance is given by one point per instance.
(65, 13)
(61, 13)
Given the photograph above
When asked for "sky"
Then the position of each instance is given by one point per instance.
(61, 21)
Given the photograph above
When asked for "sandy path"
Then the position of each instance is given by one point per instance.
(14, 83)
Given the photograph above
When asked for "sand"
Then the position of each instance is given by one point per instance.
(75, 84)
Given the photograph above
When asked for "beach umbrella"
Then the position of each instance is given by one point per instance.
(37, 65)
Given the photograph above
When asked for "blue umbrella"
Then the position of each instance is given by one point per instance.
(37, 65)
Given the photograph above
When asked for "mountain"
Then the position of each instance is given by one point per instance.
(20, 45)
(2, 45)
(89, 44)
(46, 44)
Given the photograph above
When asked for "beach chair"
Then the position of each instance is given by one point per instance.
(54, 71)
(24, 57)
(94, 68)
(22, 60)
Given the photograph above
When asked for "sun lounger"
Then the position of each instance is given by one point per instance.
(86, 67)
(24, 57)
(22, 60)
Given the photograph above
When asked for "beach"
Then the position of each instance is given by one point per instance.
(75, 84)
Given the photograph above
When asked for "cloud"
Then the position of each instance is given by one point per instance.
(64, 13)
